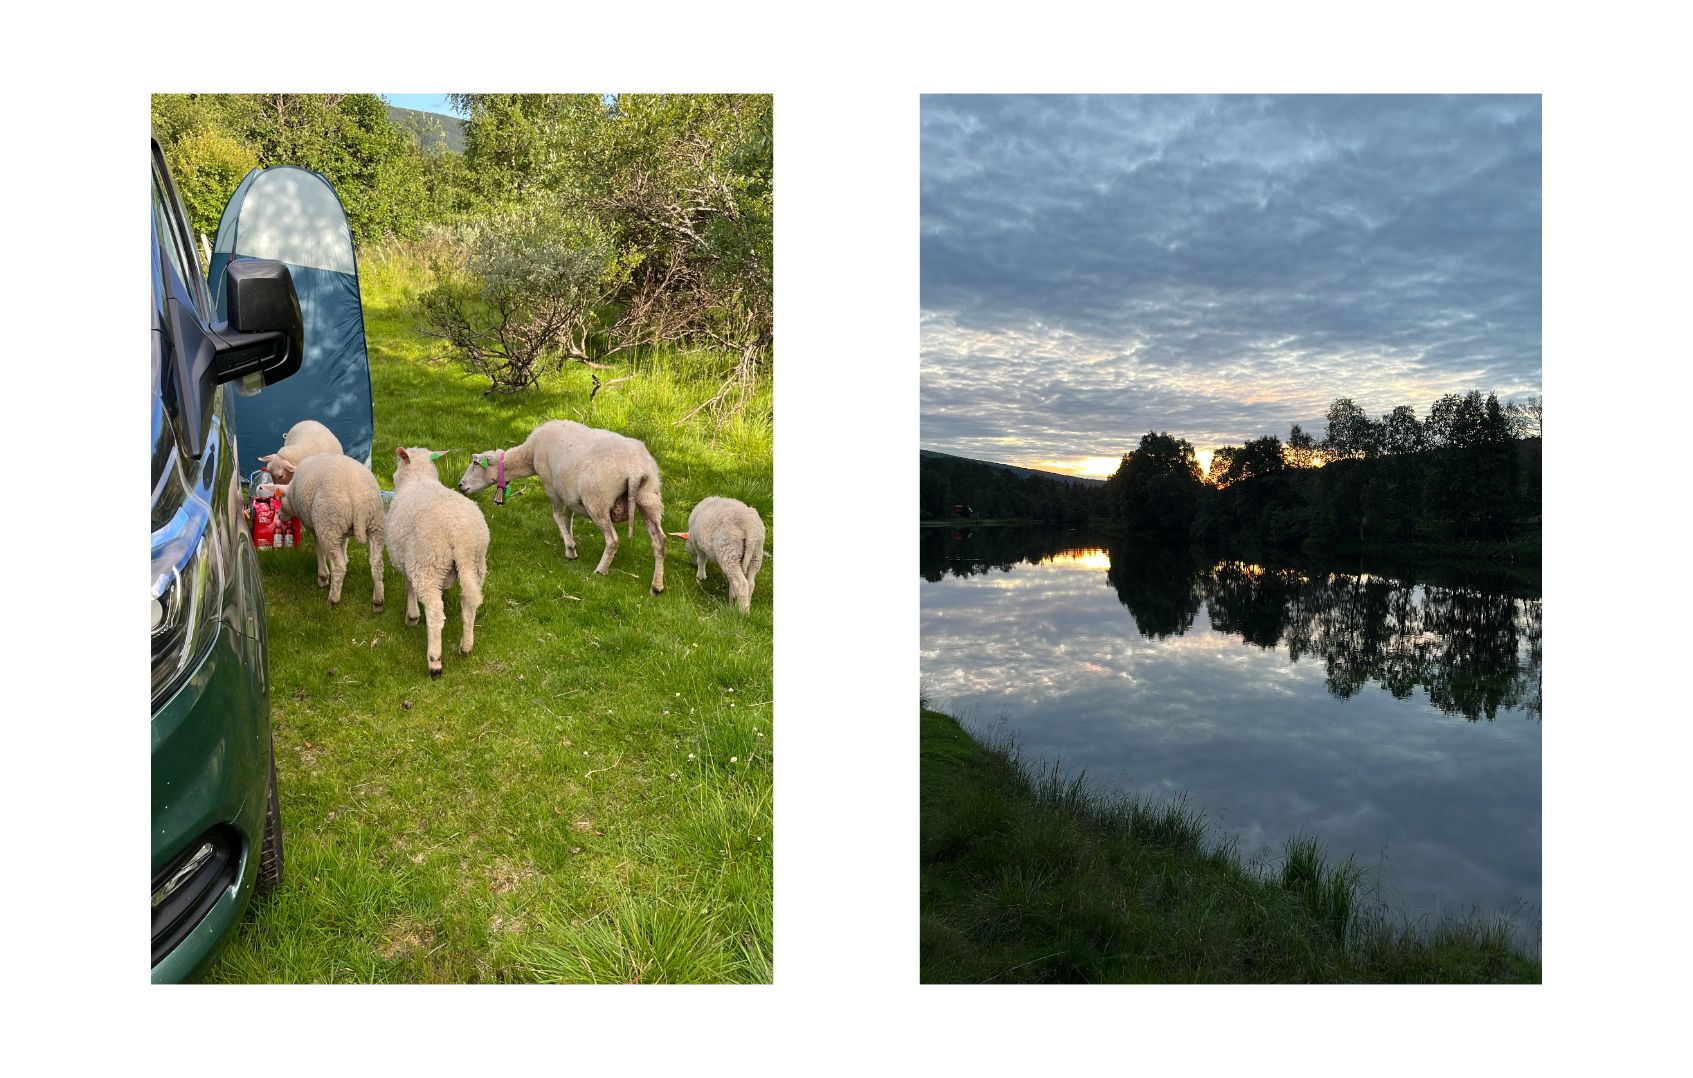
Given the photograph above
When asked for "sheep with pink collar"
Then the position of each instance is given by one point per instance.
(606, 476)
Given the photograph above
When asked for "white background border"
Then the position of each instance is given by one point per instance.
(847, 80)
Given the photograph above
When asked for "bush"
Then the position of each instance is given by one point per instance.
(519, 293)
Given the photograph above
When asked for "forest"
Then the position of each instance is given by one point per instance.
(955, 488)
(1468, 471)
(572, 229)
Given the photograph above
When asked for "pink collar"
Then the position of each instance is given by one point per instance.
(500, 481)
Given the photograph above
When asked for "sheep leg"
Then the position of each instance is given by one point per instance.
(411, 603)
(740, 592)
(322, 563)
(565, 519)
(699, 566)
(603, 521)
(652, 511)
(376, 588)
(337, 568)
(470, 597)
(750, 565)
(435, 614)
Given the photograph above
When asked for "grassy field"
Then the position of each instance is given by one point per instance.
(1029, 878)
(586, 797)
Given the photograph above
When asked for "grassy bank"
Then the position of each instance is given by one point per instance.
(1029, 878)
(586, 797)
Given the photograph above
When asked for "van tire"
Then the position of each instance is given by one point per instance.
(270, 850)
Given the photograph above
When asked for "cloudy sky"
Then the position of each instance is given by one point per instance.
(1218, 267)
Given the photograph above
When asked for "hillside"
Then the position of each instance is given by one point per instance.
(1078, 480)
(434, 131)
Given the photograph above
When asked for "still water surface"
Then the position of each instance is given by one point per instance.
(1392, 711)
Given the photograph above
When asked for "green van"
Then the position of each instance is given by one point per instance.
(216, 832)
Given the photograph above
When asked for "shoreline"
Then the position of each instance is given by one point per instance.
(1029, 877)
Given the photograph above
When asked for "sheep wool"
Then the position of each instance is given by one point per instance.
(606, 476)
(731, 534)
(436, 538)
(305, 439)
(338, 499)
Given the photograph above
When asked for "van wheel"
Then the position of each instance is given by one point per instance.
(270, 851)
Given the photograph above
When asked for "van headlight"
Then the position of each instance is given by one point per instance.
(187, 595)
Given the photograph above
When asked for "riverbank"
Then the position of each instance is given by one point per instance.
(1028, 878)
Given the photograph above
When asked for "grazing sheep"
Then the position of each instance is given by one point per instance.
(602, 474)
(436, 537)
(307, 438)
(731, 534)
(338, 499)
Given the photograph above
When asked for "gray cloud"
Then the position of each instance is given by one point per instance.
(1094, 268)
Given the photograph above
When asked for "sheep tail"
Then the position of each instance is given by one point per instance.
(634, 487)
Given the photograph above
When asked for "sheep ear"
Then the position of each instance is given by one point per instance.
(403, 456)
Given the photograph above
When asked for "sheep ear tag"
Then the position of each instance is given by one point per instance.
(436, 456)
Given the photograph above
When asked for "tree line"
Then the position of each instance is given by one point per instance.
(572, 227)
(956, 488)
(1468, 470)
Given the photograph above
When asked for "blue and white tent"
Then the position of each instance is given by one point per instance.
(294, 216)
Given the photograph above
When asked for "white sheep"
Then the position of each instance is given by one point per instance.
(436, 537)
(605, 475)
(305, 439)
(731, 534)
(338, 499)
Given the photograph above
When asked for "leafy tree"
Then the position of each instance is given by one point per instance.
(1524, 417)
(1301, 448)
(1157, 488)
(1221, 462)
(1350, 432)
(1258, 457)
(1400, 432)
(208, 166)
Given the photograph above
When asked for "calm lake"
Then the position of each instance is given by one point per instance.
(1392, 711)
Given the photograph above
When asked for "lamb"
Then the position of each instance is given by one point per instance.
(605, 475)
(731, 534)
(436, 538)
(338, 499)
(307, 438)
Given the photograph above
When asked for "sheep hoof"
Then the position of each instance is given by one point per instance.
(570, 555)
(464, 649)
(658, 589)
(323, 582)
(602, 572)
(377, 606)
(334, 603)
(435, 670)
(411, 619)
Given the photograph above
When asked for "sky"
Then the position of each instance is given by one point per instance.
(422, 103)
(1221, 268)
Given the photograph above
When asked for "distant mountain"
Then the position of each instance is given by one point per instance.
(433, 130)
(1012, 468)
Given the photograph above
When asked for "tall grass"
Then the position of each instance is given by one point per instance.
(587, 796)
(1029, 876)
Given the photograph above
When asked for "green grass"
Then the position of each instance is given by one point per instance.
(587, 796)
(1029, 877)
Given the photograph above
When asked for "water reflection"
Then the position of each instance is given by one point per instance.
(1472, 647)
(1391, 710)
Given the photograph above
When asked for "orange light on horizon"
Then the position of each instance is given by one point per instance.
(1087, 467)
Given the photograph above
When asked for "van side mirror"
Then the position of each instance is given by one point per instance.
(265, 334)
